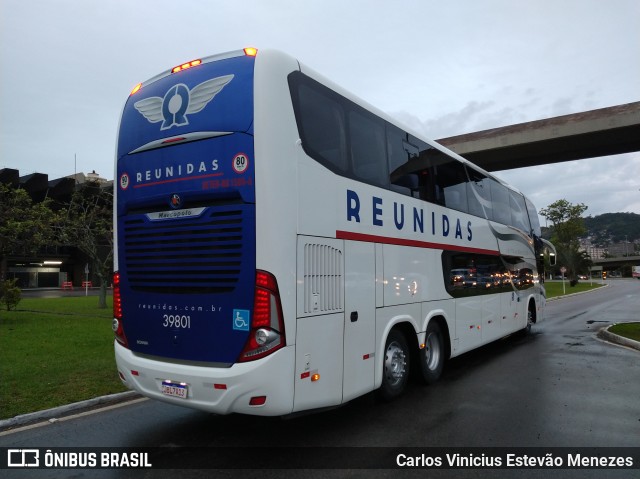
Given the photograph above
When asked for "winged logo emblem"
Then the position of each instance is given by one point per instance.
(179, 101)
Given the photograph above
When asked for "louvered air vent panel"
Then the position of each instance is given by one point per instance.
(323, 278)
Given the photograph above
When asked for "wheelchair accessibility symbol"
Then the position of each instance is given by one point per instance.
(241, 319)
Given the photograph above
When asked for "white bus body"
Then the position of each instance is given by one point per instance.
(371, 282)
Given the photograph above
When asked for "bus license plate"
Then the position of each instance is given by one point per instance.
(178, 390)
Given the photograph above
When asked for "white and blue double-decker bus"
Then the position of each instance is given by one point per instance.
(283, 246)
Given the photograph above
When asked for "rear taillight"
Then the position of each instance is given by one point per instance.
(117, 311)
(267, 325)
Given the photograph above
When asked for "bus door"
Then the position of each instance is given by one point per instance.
(319, 323)
(359, 319)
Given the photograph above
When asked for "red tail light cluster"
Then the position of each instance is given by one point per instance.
(267, 325)
(117, 311)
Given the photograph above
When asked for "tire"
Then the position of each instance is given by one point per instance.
(395, 371)
(432, 356)
(531, 319)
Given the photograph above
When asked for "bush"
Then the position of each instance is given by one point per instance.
(10, 294)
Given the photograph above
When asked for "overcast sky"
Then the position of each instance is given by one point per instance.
(443, 67)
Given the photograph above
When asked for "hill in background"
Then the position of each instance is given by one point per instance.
(611, 228)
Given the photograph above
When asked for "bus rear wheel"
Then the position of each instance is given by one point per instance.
(395, 372)
(432, 356)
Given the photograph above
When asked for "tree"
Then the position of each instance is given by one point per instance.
(88, 225)
(568, 226)
(10, 294)
(25, 226)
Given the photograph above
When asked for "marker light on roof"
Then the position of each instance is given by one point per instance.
(136, 88)
(185, 66)
(250, 52)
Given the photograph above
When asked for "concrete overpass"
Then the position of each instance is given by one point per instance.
(606, 131)
(614, 263)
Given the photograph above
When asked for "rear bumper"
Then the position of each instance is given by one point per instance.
(216, 390)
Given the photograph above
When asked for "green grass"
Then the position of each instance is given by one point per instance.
(554, 288)
(628, 330)
(55, 352)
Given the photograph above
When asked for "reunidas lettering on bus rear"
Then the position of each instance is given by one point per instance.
(175, 171)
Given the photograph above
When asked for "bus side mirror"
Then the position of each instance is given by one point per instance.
(550, 254)
(549, 250)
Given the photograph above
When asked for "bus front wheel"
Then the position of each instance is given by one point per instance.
(432, 355)
(395, 372)
(531, 318)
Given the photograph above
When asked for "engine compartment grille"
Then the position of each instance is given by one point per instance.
(187, 255)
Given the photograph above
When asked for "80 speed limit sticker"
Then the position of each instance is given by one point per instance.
(240, 163)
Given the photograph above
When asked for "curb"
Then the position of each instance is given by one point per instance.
(66, 410)
(608, 336)
(556, 298)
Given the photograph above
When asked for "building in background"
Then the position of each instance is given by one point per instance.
(594, 252)
(54, 265)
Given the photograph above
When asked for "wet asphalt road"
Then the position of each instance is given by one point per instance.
(559, 387)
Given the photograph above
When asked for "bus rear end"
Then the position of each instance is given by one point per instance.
(196, 323)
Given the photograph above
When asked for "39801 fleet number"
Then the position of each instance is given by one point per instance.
(176, 321)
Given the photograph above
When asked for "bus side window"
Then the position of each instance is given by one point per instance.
(500, 200)
(368, 155)
(519, 216)
(450, 182)
(321, 123)
(471, 274)
(426, 173)
(533, 218)
(479, 194)
(399, 154)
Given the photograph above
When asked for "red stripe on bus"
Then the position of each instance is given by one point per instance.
(349, 235)
(175, 180)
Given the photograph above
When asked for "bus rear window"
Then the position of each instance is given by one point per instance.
(215, 97)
